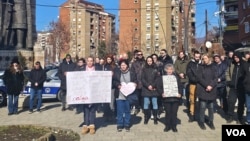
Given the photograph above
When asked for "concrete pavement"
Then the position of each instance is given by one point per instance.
(52, 115)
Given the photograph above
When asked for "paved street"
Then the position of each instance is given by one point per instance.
(52, 115)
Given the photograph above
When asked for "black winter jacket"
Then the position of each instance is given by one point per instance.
(14, 82)
(207, 76)
(192, 70)
(160, 89)
(39, 76)
(246, 73)
(65, 67)
(116, 80)
(149, 77)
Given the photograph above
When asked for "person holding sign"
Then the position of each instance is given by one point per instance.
(89, 110)
(206, 90)
(171, 89)
(149, 93)
(125, 83)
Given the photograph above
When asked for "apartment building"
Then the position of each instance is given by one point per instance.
(152, 25)
(231, 30)
(89, 25)
(130, 25)
(244, 19)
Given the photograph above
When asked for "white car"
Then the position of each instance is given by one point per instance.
(51, 87)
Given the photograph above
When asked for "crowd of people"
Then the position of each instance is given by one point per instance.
(201, 81)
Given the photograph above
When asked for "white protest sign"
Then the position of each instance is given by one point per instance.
(86, 87)
(170, 86)
(127, 88)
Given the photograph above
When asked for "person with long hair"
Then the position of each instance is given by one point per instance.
(109, 108)
(206, 89)
(149, 93)
(14, 82)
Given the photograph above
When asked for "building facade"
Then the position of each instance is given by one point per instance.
(244, 19)
(152, 25)
(231, 30)
(89, 25)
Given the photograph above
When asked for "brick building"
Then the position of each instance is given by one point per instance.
(244, 19)
(152, 25)
(89, 25)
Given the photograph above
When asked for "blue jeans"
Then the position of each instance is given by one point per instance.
(147, 103)
(89, 114)
(13, 103)
(204, 104)
(34, 92)
(248, 107)
(123, 113)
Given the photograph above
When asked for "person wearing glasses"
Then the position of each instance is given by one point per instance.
(14, 81)
(136, 67)
(37, 78)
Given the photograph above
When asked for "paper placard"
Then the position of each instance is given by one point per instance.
(86, 87)
(170, 86)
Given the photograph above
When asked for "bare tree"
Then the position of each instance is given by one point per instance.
(59, 38)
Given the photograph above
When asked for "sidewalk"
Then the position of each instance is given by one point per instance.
(52, 115)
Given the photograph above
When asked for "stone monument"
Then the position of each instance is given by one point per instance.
(17, 30)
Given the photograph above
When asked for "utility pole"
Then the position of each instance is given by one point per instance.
(206, 25)
(186, 21)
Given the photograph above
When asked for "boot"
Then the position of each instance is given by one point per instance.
(230, 119)
(146, 116)
(202, 125)
(191, 118)
(85, 129)
(155, 116)
(211, 125)
(92, 129)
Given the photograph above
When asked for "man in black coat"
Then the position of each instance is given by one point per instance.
(37, 78)
(66, 66)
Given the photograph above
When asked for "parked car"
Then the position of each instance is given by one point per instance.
(51, 87)
(3, 91)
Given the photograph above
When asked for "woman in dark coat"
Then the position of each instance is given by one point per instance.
(123, 75)
(171, 103)
(206, 90)
(14, 81)
(149, 93)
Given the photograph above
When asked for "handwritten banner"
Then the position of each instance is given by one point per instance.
(170, 86)
(86, 87)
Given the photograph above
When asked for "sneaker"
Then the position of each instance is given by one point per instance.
(30, 111)
(202, 126)
(119, 129)
(39, 111)
(71, 108)
(127, 129)
(10, 114)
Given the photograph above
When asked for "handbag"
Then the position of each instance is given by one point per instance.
(132, 98)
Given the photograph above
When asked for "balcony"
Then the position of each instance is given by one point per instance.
(231, 28)
(231, 15)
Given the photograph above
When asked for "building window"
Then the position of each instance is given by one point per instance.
(148, 17)
(136, 20)
(79, 19)
(148, 7)
(248, 2)
(147, 45)
(156, 37)
(156, 27)
(243, 5)
(135, 1)
(136, 10)
(136, 29)
(246, 27)
(147, 36)
(148, 27)
(74, 20)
